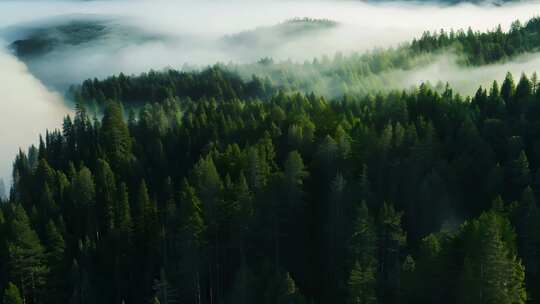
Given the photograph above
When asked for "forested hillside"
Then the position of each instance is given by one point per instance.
(485, 47)
(356, 73)
(409, 197)
(288, 183)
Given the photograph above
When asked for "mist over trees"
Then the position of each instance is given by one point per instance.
(208, 187)
(356, 73)
(407, 197)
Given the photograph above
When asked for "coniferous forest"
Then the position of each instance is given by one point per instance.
(208, 187)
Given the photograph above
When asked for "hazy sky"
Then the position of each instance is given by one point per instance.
(194, 32)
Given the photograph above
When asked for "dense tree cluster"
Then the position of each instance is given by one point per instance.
(409, 197)
(213, 82)
(484, 47)
(352, 74)
(357, 73)
(267, 35)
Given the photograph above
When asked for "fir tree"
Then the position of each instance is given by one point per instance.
(12, 295)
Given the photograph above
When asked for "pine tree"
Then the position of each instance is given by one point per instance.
(507, 92)
(164, 292)
(391, 238)
(122, 212)
(520, 175)
(140, 220)
(495, 106)
(147, 238)
(363, 243)
(12, 295)
(191, 221)
(189, 242)
(527, 223)
(105, 196)
(115, 137)
(362, 283)
(491, 273)
(291, 294)
(26, 256)
(209, 188)
(123, 241)
(54, 253)
(290, 211)
(281, 289)
(523, 93)
(295, 174)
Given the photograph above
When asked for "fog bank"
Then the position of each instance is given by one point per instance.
(466, 80)
(195, 32)
(27, 109)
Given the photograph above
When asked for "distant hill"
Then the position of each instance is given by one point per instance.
(279, 34)
(41, 38)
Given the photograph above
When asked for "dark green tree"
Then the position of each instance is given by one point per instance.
(115, 137)
(12, 295)
(27, 260)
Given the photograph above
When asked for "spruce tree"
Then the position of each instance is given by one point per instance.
(362, 283)
(115, 136)
(391, 238)
(491, 272)
(105, 196)
(27, 260)
(190, 241)
(12, 295)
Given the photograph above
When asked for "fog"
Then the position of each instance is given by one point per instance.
(466, 80)
(27, 108)
(195, 32)
(180, 33)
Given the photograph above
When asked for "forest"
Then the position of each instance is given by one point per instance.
(353, 74)
(208, 187)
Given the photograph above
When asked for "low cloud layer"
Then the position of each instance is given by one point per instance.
(193, 32)
(27, 109)
(466, 80)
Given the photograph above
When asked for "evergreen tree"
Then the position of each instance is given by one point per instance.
(105, 196)
(391, 238)
(362, 283)
(26, 262)
(507, 93)
(363, 242)
(294, 177)
(190, 241)
(83, 194)
(55, 257)
(527, 223)
(520, 175)
(147, 239)
(115, 136)
(12, 295)
(491, 274)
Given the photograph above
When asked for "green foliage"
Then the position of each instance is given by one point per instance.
(282, 199)
(351, 74)
(484, 47)
(491, 272)
(362, 285)
(116, 140)
(12, 295)
(27, 264)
